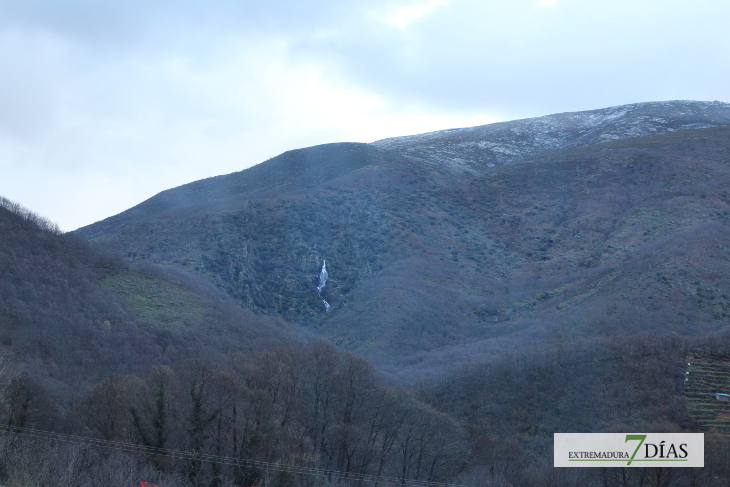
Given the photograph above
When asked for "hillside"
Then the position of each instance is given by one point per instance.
(438, 253)
(71, 315)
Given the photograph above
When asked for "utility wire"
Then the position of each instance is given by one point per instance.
(223, 460)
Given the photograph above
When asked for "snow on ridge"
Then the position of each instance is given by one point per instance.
(560, 124)
(477, 148)
(425, 136)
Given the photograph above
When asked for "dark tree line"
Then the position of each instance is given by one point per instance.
(309, 406)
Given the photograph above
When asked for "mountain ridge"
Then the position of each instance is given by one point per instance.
(458, 157)
(468, 150)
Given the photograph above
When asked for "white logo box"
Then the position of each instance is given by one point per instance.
(629, 450)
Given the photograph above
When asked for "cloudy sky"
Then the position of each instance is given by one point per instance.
(104, 103)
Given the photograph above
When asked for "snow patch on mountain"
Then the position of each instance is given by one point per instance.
(475, 149)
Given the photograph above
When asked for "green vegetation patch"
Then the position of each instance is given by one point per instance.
(155, 300)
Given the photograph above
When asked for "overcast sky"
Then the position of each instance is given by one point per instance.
(104, 103)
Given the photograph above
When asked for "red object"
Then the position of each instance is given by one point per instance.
(146, 484)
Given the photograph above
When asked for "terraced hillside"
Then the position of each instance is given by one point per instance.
(705, 376)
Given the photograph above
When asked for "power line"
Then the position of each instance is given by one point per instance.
(223, 460)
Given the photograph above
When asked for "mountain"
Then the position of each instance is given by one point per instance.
(569, 280)
(467, 244)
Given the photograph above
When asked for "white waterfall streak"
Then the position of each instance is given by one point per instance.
(322, 283)
(322, 278)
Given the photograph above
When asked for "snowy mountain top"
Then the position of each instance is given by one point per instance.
(474, 149)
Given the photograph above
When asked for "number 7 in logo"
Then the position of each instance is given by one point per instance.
(641, 442)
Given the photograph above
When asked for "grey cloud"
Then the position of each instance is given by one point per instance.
(521, 59)
(513, 57)
(130, 24)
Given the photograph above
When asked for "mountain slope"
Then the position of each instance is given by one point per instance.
(616, 238)
(537, 235)
(73, 315)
